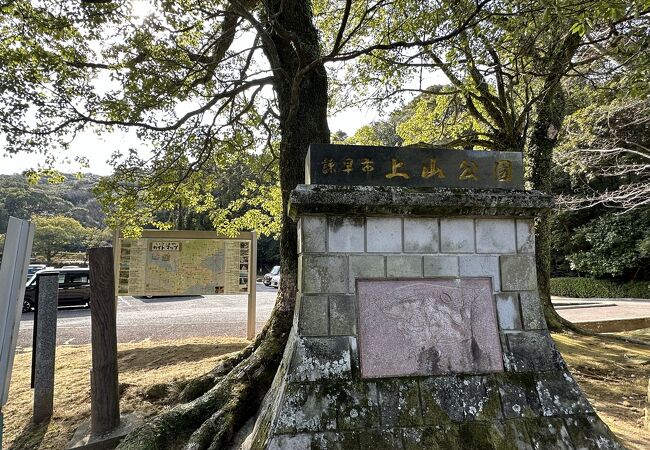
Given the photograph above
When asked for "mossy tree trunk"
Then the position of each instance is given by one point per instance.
(218, 403)
(551, 111)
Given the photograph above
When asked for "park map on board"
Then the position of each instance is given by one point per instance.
(172, 266)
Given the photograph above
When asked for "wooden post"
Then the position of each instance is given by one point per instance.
(104, 395)
(45, 347)
(252, 288)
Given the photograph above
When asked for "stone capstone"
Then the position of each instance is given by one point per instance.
(414, 202)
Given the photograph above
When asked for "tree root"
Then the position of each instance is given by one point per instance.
(220, 428)
(217, 413)
(196, 387)
(187, 390)
(557, 323)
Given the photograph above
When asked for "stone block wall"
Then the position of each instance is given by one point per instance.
(319, 399)
(334, 251)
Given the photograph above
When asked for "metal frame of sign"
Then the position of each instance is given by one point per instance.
(166, 235)
(13, 273)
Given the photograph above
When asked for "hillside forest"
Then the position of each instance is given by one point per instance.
(69, 218)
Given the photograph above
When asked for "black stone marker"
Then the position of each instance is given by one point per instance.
(44, 349)
(346, 165)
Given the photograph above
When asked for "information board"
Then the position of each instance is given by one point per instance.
(162, 263)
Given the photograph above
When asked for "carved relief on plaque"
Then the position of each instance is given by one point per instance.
(427, 327)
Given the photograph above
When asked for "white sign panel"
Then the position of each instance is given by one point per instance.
(13, 273)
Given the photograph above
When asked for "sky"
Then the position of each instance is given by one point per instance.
(98, 149)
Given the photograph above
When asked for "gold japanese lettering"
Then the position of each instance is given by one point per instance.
(503, 170)
(348, 165)
(428, 172)
(469, 170)
(367, 165)
(395, 166)
(329, 166)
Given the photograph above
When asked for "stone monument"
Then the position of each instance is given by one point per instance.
(418, 323)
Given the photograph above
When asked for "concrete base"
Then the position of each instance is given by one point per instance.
(616, 325)
(605, 315)
(84, 440)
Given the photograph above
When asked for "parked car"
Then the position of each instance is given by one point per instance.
(74, 288)
(275, 281)
(267, 278)
(33, 268)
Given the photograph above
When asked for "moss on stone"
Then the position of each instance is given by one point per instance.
(357, 407)
(399, 402)
(335, 441)
(518, 394)
(548, 433)
(441, 437)
(491, 408)
(381, 439)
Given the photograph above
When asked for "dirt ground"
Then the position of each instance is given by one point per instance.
(613, 375)
(141, 365)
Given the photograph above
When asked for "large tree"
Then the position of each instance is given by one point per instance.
(201, 82)
(57, 234)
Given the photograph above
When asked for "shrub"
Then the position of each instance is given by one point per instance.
(588, 287)
(610, 245)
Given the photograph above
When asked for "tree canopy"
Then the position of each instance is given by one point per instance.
(56, 234)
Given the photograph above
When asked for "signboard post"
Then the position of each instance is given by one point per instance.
(13, 273)
(252, 289)
(167, 263)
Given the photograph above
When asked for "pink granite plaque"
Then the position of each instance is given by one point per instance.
(427, 327)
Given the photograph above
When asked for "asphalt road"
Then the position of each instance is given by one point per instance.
(162, 318)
